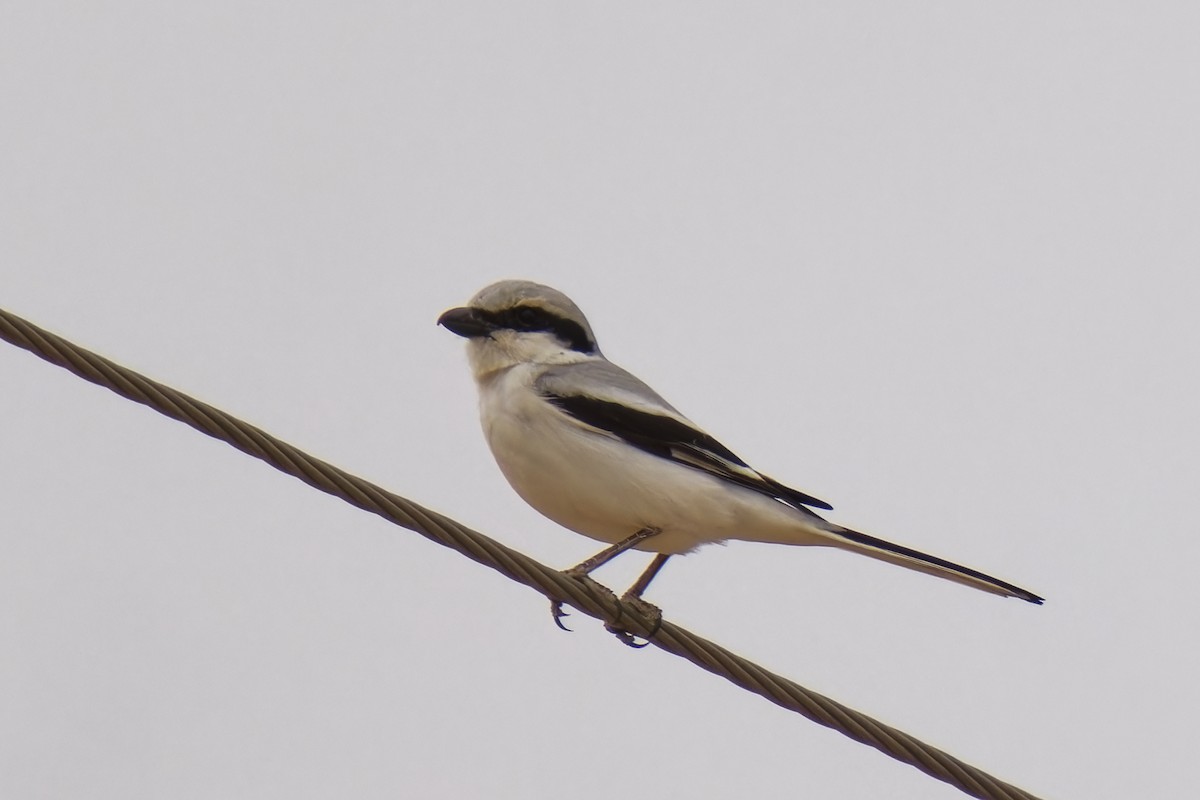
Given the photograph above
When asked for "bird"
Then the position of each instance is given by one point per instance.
(596, 450)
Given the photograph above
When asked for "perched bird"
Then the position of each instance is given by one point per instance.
(601, 453)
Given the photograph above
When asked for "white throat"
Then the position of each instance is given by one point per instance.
(505, 349)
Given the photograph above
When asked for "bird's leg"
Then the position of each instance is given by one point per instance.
(609, 553)
(643, 582)
(583, 568)
(634, 597)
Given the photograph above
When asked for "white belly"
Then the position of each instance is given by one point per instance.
(608, 490)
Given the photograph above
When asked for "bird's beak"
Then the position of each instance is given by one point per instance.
(466, 322)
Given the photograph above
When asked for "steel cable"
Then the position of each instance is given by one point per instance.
(583, 594)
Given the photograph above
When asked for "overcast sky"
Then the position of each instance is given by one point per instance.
(936, 263)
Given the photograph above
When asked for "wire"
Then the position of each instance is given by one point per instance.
(584, 594)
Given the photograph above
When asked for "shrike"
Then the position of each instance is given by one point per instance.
(601, 453)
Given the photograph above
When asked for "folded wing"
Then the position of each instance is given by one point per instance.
(640, 417)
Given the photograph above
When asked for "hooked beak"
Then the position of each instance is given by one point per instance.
(466, 322)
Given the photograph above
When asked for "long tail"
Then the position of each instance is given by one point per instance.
(931, 565)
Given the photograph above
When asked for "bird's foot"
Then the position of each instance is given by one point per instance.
(648, 610)
(595, 589)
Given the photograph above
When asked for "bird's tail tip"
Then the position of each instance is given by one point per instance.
(933, 565)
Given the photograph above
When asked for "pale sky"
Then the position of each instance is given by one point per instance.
(936, 263)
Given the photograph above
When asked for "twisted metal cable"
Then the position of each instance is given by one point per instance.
(584, 594)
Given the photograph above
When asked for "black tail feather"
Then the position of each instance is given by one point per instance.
(941, 564)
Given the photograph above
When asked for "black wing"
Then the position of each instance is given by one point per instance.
(675, 440)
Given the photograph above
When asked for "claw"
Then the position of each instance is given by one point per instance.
(556, 606)
(556, 611)
(626, 638)
(646, 610)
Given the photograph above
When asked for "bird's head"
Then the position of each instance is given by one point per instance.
(516, 322)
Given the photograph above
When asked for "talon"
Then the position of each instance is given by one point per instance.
(646, 610)
(626, 638)
(593, 588)
(556, 611)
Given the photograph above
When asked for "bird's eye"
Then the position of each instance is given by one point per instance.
(527, 316)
